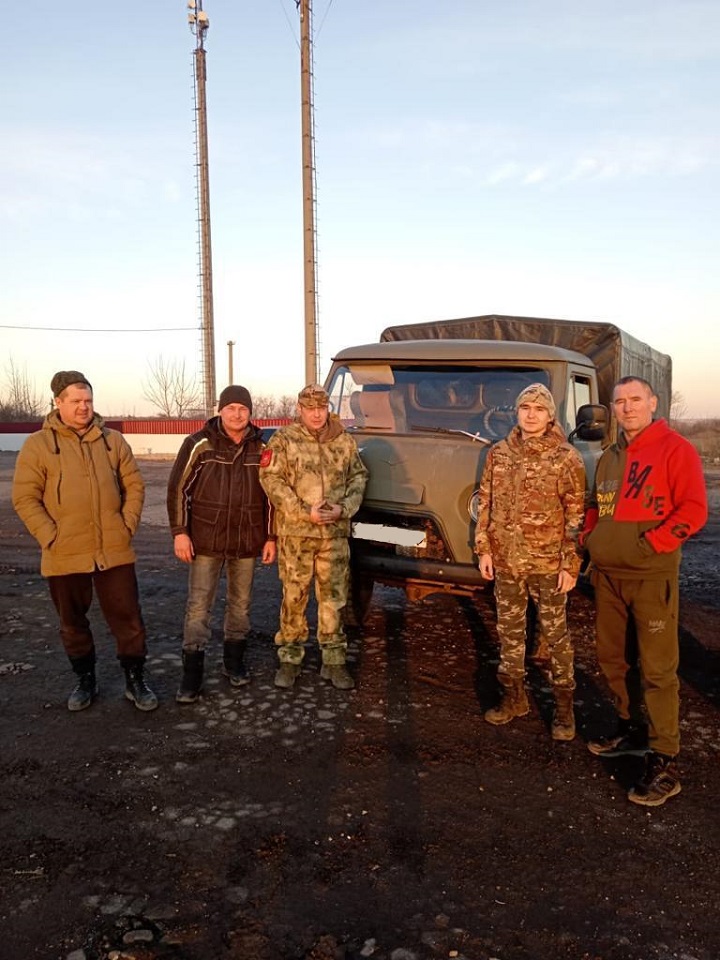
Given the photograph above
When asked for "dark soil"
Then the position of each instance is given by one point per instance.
(390, 822)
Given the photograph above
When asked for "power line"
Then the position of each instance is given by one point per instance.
(12, 326)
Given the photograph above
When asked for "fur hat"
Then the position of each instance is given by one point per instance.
(65, 378)
(313, 395)
(235, 394)
(537, 393)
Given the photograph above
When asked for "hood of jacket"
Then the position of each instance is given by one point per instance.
(653, 431)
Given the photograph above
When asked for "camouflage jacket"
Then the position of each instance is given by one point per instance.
(531, 505)
(300, 468)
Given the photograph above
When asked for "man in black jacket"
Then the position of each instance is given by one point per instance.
(219, 517)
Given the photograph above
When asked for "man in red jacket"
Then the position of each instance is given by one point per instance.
(649, 497)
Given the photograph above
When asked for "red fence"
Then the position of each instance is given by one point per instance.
(153, 426)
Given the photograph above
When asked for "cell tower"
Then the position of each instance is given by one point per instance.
(199, 26)
(312, 336)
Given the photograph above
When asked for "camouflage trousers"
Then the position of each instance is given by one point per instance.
(327, 561)
(511, 600)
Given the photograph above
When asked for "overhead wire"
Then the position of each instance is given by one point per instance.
(12, 326)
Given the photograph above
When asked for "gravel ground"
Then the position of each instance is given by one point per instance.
(391, 822)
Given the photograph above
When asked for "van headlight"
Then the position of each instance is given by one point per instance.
(473, 505)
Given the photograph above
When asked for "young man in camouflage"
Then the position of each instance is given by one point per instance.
(315, 479)
(530, 513)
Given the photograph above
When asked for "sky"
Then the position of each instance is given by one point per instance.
(542, 158)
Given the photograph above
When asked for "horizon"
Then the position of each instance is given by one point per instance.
(542, 160)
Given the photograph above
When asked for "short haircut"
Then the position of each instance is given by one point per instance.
(623, 380)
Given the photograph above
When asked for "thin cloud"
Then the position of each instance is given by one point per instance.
(81, 176)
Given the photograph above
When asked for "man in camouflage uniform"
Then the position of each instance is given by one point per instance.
(530, 513)
(315, 479)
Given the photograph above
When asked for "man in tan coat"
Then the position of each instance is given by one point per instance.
(79, 492)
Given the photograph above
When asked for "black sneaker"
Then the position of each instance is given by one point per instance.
(659, 782)
(621, 745)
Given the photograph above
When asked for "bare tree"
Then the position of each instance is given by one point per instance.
(263, 407)
(20, 399)
(678, 407)
(285, 407)
(170, 388)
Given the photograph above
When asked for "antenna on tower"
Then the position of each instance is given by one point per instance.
(199, 26)
(312, 332)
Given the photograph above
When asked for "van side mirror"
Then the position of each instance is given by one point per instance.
(591, 422)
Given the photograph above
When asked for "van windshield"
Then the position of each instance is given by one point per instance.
(404, 399)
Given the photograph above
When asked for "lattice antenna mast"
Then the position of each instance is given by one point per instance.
(312, 333)
(199, 26)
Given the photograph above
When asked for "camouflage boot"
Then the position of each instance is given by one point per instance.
(334, 668)
(286, 675)
(563, 725)
(338, 674)
(514, 702)
(291, 657)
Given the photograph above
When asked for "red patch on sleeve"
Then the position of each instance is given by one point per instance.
(265, 458)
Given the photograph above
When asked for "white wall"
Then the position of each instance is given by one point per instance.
(141, 444)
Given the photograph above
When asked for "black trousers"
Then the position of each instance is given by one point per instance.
(117, 593)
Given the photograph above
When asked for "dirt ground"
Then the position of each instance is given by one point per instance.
(391, 822)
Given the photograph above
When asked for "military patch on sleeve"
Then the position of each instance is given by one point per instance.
(265, 458)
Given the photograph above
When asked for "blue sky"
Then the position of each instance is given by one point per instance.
(555, 159)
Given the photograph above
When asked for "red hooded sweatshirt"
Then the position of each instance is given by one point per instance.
(649, 497)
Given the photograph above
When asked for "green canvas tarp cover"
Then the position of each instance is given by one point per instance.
(614, 352)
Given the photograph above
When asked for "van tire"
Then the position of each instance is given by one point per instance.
(359, 598)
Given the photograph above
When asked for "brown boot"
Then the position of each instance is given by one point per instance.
(514, 702)
(563, 725)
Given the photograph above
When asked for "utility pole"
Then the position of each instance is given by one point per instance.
(199, 26)
(230, 345)
(308, 166)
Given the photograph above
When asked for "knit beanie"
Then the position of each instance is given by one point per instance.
(65, 378)
(235, 394)
(537, 393)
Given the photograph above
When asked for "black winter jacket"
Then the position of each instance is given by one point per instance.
(214, 493)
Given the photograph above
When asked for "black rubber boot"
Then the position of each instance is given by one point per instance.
(193, 662)
(136, 689)
(86, 690)
(234, 663)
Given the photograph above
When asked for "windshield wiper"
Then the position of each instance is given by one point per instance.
(463, 433)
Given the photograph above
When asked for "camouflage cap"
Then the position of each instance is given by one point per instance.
(537, 393)
(313, 395)
(65, 378)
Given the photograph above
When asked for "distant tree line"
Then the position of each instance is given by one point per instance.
(175, 394)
